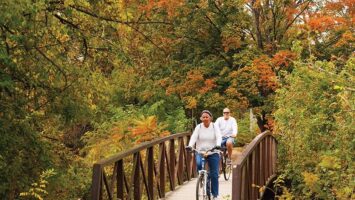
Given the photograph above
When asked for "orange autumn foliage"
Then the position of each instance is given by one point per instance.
(267, 80)
(209, 85)
(338, 15)
(283, 59)
(191, 88)
(291, 12)
(270, 125)
(194, 83)
(346, 38)
(146, 129)
(321, 23)
(232, 42)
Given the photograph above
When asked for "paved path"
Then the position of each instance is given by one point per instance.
(187, 191)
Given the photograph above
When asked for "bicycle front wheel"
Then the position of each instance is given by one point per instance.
(227, 169)
(201, 189)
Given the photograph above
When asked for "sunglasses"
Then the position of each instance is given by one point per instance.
(225, 112)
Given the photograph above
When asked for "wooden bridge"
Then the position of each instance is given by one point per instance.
(162, 169)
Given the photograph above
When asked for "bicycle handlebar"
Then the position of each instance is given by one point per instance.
(223, 148)
(224, 137)
(204, 152)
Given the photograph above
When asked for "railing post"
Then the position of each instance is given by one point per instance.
(151, 172)
(274, 156)
(120, 179)
(237, 177)
(189, 162)
(253, 175)
(136, 177)
(181, 161)
(269, 156)
(257, 169)
(162, 169)
(265, 158)
(96, 190)
(186, 161)
(172, 163)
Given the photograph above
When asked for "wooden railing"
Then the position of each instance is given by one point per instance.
(255, 168)
(127, 176)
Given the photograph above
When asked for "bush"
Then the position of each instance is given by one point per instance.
(315, 119)
(246, 130)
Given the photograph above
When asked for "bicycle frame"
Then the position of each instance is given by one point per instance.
(203, 173)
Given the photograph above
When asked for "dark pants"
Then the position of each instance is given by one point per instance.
(213, 164)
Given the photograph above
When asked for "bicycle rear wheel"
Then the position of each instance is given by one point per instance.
(200, 187)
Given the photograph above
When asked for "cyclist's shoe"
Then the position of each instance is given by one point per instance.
(229, 161)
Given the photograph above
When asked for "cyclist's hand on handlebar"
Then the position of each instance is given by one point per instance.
(188, 148)
(217, 147)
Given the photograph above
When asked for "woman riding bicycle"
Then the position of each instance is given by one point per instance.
(207, 136)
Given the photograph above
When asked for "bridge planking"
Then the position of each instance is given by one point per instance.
(188, 189)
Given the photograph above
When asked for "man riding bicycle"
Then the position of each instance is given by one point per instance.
(229, 130)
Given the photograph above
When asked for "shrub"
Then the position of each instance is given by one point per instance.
(315, 118)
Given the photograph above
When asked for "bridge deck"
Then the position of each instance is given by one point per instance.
(188, 190)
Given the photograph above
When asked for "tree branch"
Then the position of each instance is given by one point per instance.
(8, 29)
(55, 65)
(299, 14)
(210, 21)
(117, 21)
(6, 44)
(215, 5)
(64, 21)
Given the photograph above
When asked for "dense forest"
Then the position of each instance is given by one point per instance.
(81, 80)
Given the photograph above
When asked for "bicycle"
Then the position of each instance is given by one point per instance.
(201, 185)
(226, 167)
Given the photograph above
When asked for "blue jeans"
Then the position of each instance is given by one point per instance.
(213, 164)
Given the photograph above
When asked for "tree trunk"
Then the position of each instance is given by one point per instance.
(261, 121)
(259, 37)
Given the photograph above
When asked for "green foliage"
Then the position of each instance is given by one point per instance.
(167, 113)
(72, 182)
(246, 130)
(315, 119)
(17, 136)
(37, 190)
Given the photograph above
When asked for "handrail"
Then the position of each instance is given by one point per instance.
(148, 177)
(140, 147)
(255, 167)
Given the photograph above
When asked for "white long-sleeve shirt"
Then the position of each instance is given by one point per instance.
(227, 127)
(206, 138)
